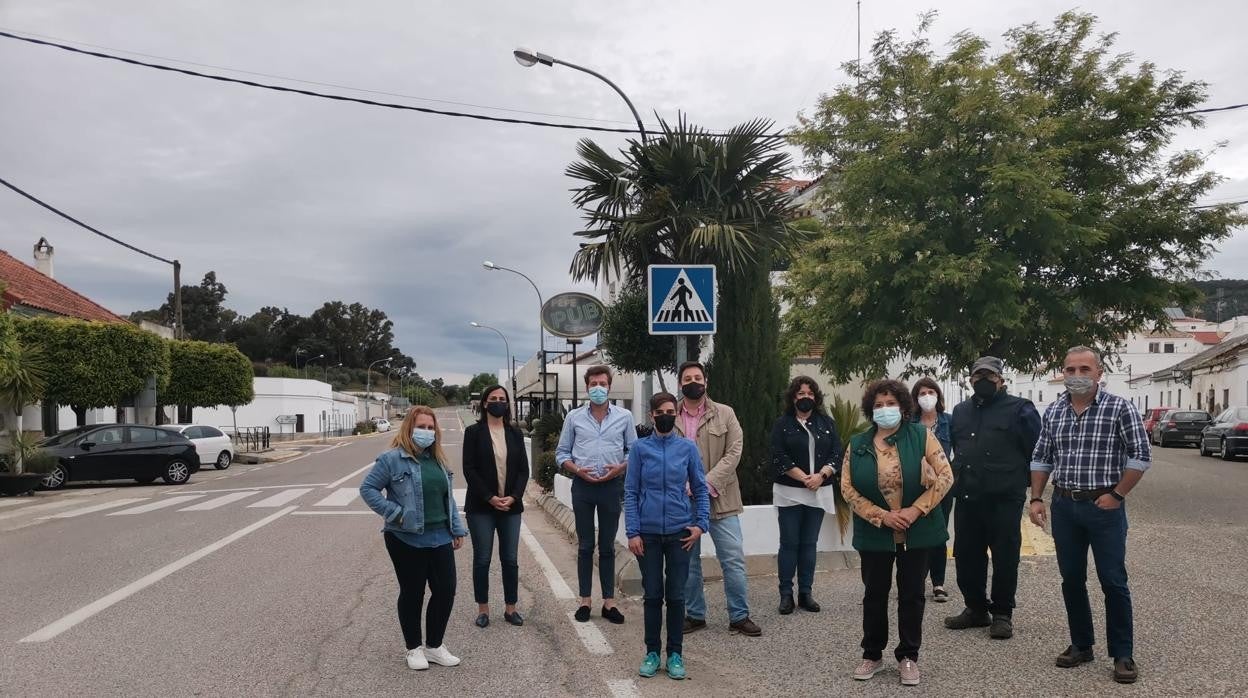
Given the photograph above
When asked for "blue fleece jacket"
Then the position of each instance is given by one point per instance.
(655, 502)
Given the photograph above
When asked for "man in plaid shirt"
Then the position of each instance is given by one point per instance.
(1094, 447)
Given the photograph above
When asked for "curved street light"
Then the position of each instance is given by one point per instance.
(529, 58)
(507, 363)
(368, 384)
(305, 364)
(541, 331)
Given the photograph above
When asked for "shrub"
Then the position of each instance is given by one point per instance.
(365, 427)
(546, 435)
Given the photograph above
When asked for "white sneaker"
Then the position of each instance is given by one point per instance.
(416, 659)
(441, 655)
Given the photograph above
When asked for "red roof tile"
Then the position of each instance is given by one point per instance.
(25, 285)
(1207, 338)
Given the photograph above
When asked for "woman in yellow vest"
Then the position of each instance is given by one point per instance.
(895, 475)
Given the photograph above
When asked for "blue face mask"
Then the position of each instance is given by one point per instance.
(423, 437)
(598, 394)
(886, 417)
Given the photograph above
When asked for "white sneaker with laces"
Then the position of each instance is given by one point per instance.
(416, 659)
(441, 655)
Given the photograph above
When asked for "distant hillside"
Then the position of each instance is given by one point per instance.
(1224, 298)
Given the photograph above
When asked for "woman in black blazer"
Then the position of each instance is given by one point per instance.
(497, 470)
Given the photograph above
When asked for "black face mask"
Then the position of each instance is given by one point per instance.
(497, 409)
(693, 391)
(984, 388)
(805, 404)
(664, 423)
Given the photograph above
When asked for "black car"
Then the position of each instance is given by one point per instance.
(120, 451)
(1227, 436)
(1180, 427)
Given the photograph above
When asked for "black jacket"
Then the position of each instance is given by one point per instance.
(482, 475)
(790, 447)
(992, 444)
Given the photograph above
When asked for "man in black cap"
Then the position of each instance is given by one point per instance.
(993, 435)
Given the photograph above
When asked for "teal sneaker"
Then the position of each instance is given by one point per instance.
(675, 666)
(650, 665)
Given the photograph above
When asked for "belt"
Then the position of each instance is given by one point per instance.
(1081, 495)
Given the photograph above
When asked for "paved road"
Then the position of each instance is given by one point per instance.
(273, 581)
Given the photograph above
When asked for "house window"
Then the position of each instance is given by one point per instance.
(1169, 348)
(1169, 397)
(1179, 404)
(1154, 347)
(1041, 397)
(1145, 403)
(1200, 399)
(1226, 397)
(1028, 394)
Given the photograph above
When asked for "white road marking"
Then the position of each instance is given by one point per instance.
(593, 639)
(251, 489)
(623, 688)
(16, 500)
(88, 493)
(55, 628)
(96, 507)
(279, 499)
(161, 504)
(60, 504)
(341, 480)
(553, 578)
(340, 498)
(351, 512)
(218, 501)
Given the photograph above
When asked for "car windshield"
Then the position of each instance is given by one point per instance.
(64, 437)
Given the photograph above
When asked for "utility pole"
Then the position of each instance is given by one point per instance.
(180, 333)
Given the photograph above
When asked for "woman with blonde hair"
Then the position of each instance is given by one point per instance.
(422, 530)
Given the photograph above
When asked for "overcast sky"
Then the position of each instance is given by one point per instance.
(294, 201)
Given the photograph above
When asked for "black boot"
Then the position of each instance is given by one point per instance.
(786, 604)
(968, 619)
(808, 603)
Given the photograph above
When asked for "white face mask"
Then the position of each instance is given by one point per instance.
(927, 402)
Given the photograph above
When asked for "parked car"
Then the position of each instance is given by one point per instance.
(210, 442)
(1151, 415)
(1227, 436)
(1180, 427)
(381, 423)
(118, 452)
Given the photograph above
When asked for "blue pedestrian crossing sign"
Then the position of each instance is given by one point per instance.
(682, 298)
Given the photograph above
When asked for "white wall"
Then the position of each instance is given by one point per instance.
(286, 396)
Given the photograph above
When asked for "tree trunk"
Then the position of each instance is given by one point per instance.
(80, 415)
(18, 465)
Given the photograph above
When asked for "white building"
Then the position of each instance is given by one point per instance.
(288, 406)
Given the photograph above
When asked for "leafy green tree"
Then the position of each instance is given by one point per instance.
(625, 333)
(203, 310)
(1011, 204)
(23, 381)
(480, 381)
(94, 364)
(207, 375)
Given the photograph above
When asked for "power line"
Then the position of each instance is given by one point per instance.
(1240, 202)
(79, 223)
(324, 84)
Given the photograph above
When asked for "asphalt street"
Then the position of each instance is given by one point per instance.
(272, 580)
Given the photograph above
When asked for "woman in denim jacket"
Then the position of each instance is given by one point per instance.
(931, 414)
(423, 528)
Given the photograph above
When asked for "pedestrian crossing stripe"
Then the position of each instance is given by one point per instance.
(338, 499)
(682, 299)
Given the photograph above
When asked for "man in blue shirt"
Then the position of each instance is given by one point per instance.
(593, 447)
(1094, 448)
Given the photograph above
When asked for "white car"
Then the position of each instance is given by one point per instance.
(381, 423)
(212, 444)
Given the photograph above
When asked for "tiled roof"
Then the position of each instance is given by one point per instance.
(1207, 337)
(25, 285)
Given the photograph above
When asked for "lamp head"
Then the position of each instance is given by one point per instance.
(475, 324)
(529, 58)
(489, 265)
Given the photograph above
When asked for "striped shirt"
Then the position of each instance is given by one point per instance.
(1090, 451)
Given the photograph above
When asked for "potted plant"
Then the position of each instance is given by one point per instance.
(23, 375)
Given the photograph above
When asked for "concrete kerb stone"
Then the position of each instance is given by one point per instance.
(628, 573)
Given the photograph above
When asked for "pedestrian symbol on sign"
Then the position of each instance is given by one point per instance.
(682, 299)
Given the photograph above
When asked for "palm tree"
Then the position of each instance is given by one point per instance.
(23, 375)
(687, 196)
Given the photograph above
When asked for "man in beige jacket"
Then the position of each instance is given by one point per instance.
(715, 429)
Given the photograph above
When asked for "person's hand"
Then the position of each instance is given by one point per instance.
(694, 534)
(499, 503)
(635, 546)
(586, 473)
(910, 514)
(1107, 502)
(1038, 513)
(688, 489)
(613, 471)
(457, 543)
(895, 521)
(508, 501)
(812, 481)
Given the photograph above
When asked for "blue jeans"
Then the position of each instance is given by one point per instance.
(662, 552)
(799, 533)
(607, 500)
(730, 551)
(481, 527)
(1076, 527)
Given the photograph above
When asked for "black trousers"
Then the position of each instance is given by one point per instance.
(415, 568)
(940, 556)
(877, 578)
(981, 525)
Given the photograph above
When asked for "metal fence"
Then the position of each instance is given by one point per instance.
(252, 439)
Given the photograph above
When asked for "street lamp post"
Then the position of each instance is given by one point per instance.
(506, 362)
(325, 373)
(528, 59)
(305, 363)
(368, 385)
(298, 351)
(541, 331)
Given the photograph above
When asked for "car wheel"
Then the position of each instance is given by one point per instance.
(1225, 452)
(145, 480)
(56, 478)
(1203, 451)
(177, 472)
(223, 460)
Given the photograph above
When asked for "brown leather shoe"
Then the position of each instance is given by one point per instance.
(746, 627)
(1125, 670)
(693, 625)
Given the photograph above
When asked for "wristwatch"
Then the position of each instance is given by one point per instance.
(1114, 493)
